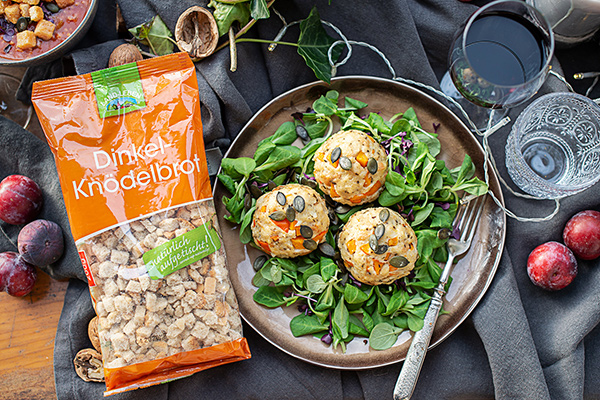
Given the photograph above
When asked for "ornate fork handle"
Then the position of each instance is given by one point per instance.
(407, 380)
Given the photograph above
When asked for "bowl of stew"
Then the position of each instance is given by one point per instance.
(34, 32)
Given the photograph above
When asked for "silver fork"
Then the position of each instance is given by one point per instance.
(467, 218)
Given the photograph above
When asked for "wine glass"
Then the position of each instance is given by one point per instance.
(499, 59)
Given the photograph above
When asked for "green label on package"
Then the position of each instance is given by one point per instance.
(118, 90)
(181, 251)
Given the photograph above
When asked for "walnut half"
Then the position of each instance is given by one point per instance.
(93, 334)
(88, 365)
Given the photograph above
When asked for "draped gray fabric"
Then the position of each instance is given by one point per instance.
(520, 342)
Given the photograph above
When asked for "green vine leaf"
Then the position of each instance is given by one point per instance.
(259, 9)
(313, 44)
(156, 35)
(226, 14)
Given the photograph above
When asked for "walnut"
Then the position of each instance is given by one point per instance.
(88, 365)
(196, 32)
(124, 54)
(93, 334)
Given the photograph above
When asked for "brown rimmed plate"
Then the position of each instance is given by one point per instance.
(472, 274)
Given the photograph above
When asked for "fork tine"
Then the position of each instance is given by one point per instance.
(473, 208)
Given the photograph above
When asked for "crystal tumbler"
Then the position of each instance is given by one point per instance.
(553, 149)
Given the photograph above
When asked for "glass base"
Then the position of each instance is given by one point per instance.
(10, 107)
(483, 118)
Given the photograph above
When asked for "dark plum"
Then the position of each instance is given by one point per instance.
(582, 234)
(20, 199)
(552, 266)
(41, 242)
(17, 276)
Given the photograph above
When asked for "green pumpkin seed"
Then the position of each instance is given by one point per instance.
(372, 165)
(277, 216)
(309, 244)
(384, 214)
(247, 202)
(280, 198)
(379, 231)
(373, 243)
(444, 233)
(302, 133)
(22, 24)
(290, 214)
(335, 154)
(345, 163)
(306, 231)
(327, 249)
(342, 209)
(259, 262)
(53, 8)
(381, 249)
(255, 191)
(299, 203)
(399, 261)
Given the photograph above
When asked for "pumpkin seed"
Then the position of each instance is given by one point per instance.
(306, 231)
(247, 202)
(311, 184)
(444, 233)
(345, 163)
(379, 231)
(372, 165)
(280, 198)
(278, 216)
(373, 243)
(343, 209)
(22, 24)
(381, 249)
(255, 191)
(302, 133)
(335, 154)
(333, 218)
(259, 262)
(327, 249)
(53, 8)
(344, 279)
(309, 244)
(398, 261)
(299, 203)
(290, 214)
(384, 214)
(271, 185)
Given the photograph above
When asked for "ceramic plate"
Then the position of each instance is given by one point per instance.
(472, 274)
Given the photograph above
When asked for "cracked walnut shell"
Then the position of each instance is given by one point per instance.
(196, 32)
(88, 365)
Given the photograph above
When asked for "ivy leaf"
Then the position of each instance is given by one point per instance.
(156, 35)
(259, 9)
(313, 44)
(226, 14)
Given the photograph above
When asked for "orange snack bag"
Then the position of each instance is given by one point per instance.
(130, 155)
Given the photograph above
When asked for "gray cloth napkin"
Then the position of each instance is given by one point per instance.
(520, 342)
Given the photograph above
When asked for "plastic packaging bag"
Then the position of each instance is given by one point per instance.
(130, 156)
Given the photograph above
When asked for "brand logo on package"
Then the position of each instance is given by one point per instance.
(86, 268)
(118, 90)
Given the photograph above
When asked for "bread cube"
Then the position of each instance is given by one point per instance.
(64, 3)
(26, 40)
(36, 13)
(32, 2)
(44, 29)
(24, 9)
(3, 5)
(12, 13)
